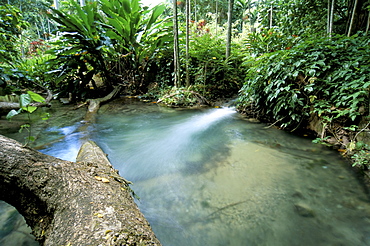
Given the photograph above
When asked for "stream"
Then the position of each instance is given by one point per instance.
(211, 177)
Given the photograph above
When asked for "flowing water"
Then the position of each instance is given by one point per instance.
(209, 177)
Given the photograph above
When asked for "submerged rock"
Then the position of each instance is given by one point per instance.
(304, 210)
(64, 100)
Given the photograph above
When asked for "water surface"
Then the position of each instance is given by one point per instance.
(210, 177)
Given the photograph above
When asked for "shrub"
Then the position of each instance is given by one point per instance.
(327, 76)
(115, 39)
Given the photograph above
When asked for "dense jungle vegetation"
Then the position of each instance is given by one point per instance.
(290, 63)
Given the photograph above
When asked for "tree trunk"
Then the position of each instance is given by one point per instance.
(176, 51)
(271, 16)
(331, 5)
(332, 16)
(71, 203)
(94, 104)
(229, 28)
(195, 11)
(352, 19)
(367, 23)
(187, 42)
(216, 17)
(357, 16)
(328, 19)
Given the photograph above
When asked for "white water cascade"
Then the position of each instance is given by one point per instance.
(166, 149)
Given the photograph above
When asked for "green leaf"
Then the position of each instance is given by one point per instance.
(29, 109)
(24, 100)
(11, 114)
(24, 126)
(135, 6)
(36, 97)
(31, 138)
(126, 6)
(81, 14)
(45, 116)
(156, 12)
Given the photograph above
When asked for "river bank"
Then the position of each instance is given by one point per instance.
(313, 129)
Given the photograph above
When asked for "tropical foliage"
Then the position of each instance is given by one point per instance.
(35, 14)
(11, 24)
(102, 38)
(311, 68)
(327, 76)
(290, 61)
(311, 18)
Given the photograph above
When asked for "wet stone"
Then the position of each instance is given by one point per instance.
(304, 210)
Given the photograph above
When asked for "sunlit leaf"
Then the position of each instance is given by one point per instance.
(31, 138)
(29, 109)
(35, 97)
(45, 116)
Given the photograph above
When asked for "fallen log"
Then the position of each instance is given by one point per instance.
(5, 107)
(94, 104)
(71, 203)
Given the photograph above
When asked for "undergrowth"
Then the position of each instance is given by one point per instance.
(324, 78)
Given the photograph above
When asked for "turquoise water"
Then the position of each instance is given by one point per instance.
(210, 177)
(13, 228)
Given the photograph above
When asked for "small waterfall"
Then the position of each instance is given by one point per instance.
(203, 121)
(67, 142)
(180, 137)
(165, 150)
